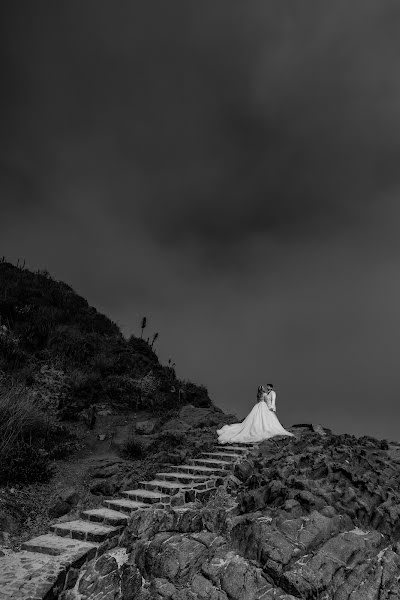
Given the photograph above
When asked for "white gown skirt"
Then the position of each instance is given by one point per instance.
(260, 424)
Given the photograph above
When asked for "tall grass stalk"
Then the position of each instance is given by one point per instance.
(20, 420)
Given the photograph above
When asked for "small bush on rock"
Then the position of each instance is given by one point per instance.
(133, 449)
(221, 499)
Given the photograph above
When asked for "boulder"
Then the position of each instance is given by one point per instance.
(173, 557)
(318, 429)
(329, 564)
(104, 412)
(103, 468)
(59, 509)
(162, 588)
(241, 580)
(101, 574)
(121, 435)
(131, 581)
(146, 523)
(243, 470)
(69, 495)
(255, 538)
(103, 487)
(145, 427)
(205, 590)
(176, 425)
(237, 577)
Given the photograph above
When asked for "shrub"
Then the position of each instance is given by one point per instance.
(35, 331)
(121, 389)
(133, 449)
(20, 418)
(220, 499)
(166, 416)
(59, 442)
(28, 464)
(75, 346)
(160, 403)
(85, 388)
(29, 438)
(197, 395)
(140, 346)
(23, 429)
(12, 356)
(49, 389)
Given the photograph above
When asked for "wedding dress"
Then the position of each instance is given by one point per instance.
(260, 424)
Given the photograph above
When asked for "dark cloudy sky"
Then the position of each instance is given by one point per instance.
(231, 170)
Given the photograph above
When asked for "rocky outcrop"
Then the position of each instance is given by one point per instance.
(191, 417)
(311, 517)
(317, 516)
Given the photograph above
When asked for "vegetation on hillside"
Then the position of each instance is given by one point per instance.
(59, 356)
(45, 324)
(30, 438)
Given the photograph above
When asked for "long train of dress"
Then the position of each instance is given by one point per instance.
(260, 424)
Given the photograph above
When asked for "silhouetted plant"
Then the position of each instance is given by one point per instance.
(143, 326)
(155, 337)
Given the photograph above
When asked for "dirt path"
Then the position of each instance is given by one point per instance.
(30, 506)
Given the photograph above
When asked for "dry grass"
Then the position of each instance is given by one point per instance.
(28, 435)
(20, 420)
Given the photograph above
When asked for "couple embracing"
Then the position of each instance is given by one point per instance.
(260, 424)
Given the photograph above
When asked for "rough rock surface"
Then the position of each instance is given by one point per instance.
(193, 417)
(315, 516)
(145, 426)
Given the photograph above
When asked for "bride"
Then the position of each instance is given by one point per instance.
(260, 424)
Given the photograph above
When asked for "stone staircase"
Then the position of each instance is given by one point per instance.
(50, 563)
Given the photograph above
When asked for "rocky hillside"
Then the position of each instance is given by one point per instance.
(314, 517)
(52, 341)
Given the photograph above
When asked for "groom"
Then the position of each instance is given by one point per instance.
(271, 397)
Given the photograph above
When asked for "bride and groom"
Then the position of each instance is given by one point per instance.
(260, 424)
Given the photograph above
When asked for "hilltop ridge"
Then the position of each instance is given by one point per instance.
(45, 323)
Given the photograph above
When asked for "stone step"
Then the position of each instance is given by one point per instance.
(182, 477)
(85, 530)
(239, 445)
(125, 505)
(55, 545)
(232, 449)
(146, 496)
(170, 487)
(107, 516)
(202, 470)
(211, 462)
(163, 487)
(27, 574)
(223, 456)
